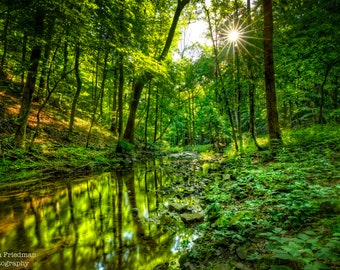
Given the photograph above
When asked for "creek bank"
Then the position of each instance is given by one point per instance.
(256, 206)
(18, 165)
(23, 166)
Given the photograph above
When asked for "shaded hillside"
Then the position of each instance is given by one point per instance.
(53, 154)
(53, 123)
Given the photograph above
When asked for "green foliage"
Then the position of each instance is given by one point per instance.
(306, 250)
(206, 148)
(18, 164)
(290, 196)
(199, 148)
(125, 147)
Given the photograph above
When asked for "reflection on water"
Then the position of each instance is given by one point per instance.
(111, 221)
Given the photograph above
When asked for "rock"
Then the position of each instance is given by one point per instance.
(177, 207)
(184, 155)
(192, 217)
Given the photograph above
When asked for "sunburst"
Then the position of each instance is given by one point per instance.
(233, 35)
(238, 36)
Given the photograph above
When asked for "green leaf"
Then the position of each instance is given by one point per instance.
(316, 266)
(308, 251)
(333, 244)
(313, 241)
(326, 253)
(283, 240)
(293, 249)
(279, 231)
(303, 236)
(284, 256)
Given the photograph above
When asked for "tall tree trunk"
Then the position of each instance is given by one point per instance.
(239, 99)
(79, 85)
(114, 102)
(220, 78)
(23, 58)
(44, 65)
(121, 27)
(139, 85)
(147, 116)
(238, 85)
(193, 119)
(20, 135)
(120, 96)
(329, 66)
(65, 57)
(251, 85)
(5, 42)
(156, 117)
(272, 113)
(102, 86)
(97, 98)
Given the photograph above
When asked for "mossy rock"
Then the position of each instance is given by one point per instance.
(189, 218)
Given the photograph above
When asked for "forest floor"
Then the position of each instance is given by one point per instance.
(266, 210)
(263, 210)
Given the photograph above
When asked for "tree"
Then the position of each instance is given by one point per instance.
(220, 80)
(272, 113)
(146, 76)
(79, 86)
(309, 59)
(20, 135)
(251, 86)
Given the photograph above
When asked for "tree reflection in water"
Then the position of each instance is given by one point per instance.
(110, 221)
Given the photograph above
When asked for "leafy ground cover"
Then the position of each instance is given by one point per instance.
(16, 165)
(270, 210)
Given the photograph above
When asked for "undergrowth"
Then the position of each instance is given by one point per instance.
(18, 164)
(282, 210)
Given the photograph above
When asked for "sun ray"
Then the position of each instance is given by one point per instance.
(238, 36)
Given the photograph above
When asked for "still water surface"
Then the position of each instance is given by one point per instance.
(114, 220)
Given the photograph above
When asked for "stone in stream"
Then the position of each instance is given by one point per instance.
(177, 207)
(184, 155)
(189, 218)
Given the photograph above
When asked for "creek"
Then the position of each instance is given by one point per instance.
(116, 220)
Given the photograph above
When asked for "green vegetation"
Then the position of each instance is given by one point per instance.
(95, 64)
(67, 161)
(86, 86)
(274, 211)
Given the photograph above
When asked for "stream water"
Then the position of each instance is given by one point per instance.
(115, 220)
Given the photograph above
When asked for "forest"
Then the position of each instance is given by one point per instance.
(219, 118)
